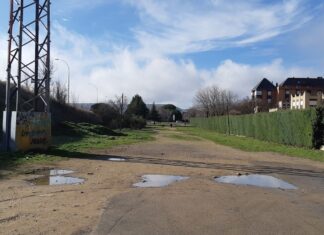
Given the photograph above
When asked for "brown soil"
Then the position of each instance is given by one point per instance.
(107, 202)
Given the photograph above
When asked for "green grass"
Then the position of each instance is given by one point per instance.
(74, 141)
(253, 145)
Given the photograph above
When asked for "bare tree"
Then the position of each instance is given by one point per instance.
(202, 100)
(120, 105)
(244, 106)
(214, 101)
(59, 92)
(121, 102)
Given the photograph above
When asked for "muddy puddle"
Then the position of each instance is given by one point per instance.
(55, 177)
(264, 181)
(156, 181)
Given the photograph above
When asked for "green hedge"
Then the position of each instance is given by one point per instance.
(295, 127)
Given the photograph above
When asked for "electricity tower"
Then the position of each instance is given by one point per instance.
(29, 65)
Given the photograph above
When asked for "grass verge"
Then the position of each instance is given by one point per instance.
(73, 140)
(254, 145)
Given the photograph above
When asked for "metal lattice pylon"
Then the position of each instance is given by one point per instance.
(28, 58)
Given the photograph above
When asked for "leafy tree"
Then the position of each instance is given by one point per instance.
(154, 114)
(137, 107)
(169, 107)
(169, 111)
(107, 112)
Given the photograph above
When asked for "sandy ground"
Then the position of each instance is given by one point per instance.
(108, 204)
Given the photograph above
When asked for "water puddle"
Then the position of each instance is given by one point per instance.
(116, 159)
(256, 180)
(55, 177)
(57, 180)
(154, 181)
(50, 172)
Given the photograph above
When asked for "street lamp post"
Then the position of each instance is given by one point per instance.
(69, 75)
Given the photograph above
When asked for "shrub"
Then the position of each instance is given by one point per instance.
(318, 127)
(295, 127)
(136, 122)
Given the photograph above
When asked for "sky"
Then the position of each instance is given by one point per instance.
(166, 50)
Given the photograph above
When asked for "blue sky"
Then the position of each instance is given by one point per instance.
(167, 50)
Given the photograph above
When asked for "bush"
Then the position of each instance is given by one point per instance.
(107, 112)
(318, 127)
(136, 122)
(295, 127)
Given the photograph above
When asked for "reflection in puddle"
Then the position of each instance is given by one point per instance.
(57, 180)
(116, 159)
(50, 172)
(256, 180)
(60, 172)
(152, 181)
(55, 177)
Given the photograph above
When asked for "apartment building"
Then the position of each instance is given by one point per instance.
(302, 91)
(264, 95)
(306, 100)
(298, 86)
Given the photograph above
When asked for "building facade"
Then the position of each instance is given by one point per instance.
(293, 93)
(264, 95)
(306, 100)
(296, 87)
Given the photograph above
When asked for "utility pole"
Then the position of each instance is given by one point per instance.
(29, 26)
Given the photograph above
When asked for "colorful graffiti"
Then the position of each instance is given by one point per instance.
(33, 131)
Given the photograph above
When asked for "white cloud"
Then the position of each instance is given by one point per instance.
(174, 26)
(160, 79)
(170, 29)
(241, 78)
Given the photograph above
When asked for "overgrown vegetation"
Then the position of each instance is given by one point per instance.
(60, 110)
(74, 140)
(253, 145)
(296, 128)
(117, 114)
(318, 128)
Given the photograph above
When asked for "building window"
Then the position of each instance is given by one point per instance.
(269, 93)
(313, 103)
(269, 101)
(287, 94)
(259, 93)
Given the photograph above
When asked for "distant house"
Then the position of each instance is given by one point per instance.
(264, 94)
(293, 93)
(298, 86)
(306, 100)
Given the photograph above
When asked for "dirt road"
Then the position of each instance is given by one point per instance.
(107, 203)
